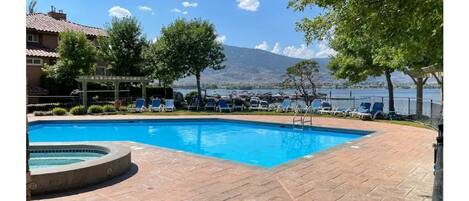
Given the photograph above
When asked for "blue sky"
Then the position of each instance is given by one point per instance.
(263, 24)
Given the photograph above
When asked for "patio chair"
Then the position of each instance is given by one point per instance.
(375, 111)
(156, 105)
(169, 105)
(222, 105)
(285, 106)
(210, 104)
(238, 104)
(254, 104)
(139, 105)
(315, 105)
(194, 104)
(363, 108)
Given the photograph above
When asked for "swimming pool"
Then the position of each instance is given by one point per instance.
(259, 144)
(47, 159)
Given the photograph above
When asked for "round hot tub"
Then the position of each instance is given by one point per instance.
(57, 167)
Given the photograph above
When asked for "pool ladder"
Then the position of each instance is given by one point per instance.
(299, 119)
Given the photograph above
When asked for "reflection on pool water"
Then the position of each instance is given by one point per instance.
(259, 144)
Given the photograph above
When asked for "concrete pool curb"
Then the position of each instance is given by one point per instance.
(115, 162)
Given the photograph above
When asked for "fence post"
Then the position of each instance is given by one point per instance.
(382, 99)
(431, 109)
(438, 166)
(408, 106)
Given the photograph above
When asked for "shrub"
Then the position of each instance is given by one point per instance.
(109, 108)
(42, 113)
(78, 110)
(95, 109)
(191, 95)
(59, 111)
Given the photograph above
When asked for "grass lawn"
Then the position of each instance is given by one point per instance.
(190, 112)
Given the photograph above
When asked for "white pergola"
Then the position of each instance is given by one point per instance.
(116, 80)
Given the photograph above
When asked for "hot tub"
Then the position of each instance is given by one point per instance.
(57, 167)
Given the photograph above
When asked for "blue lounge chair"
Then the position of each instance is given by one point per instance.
(285, 106)
(254, 104)
(363, 108)
(375, 111)
(326, 108)
(139, 105)
(156, 105)
(210, 104)
(238, 104)
(315, 105)
(222, 105)
(169, 105)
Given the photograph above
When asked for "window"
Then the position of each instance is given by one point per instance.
(34, 61)
(32, 38)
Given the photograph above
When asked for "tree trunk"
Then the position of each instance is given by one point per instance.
(387, 73)
(419, 98)
(199, 90)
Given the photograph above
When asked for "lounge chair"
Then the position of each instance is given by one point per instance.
(139, 105)
(210, 104)
(222, 105)
(238, 104)
(285, 106)
(326, 108)
(194, 104)
(375, 111)
(263, 105)
(156, 105)
(315, 105)
(363, 108)
(254, 104)
(169, 105)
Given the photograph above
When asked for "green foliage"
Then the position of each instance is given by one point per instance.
(77, 57)
(95, 109)
(186, 48)
(109, 108)
(78, 110)
(32, 7)
(59, 111)
(303, 77)
(123, 47)
(191, 95)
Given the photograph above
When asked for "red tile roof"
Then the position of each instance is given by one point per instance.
(37, 50)
(43, 22)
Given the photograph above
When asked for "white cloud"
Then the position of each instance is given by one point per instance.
(187, 4)
(119, 12)
(184, 12)
(249, 5)
(325, 51)
(145, 8)
(262, 46)
(299, 52)
(276, 48)
(221, 39)
(175, 10)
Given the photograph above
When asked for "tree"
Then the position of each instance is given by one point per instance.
(157, 66)
(77, 57)
(303, 77)
(123, 47)
(32, 7)
(188, 48)
(382, 35)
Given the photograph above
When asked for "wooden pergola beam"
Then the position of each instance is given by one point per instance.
(116, 80)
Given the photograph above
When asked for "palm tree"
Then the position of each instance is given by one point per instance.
(31, 6)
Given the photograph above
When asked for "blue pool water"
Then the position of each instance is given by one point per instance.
(40, 160)
(265, 145)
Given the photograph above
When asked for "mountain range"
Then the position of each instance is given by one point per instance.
(248, 66)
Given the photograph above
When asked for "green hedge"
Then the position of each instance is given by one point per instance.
(109, 108)
(78, 110)
(95, 109)
(59, 111)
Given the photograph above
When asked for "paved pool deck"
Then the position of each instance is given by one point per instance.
(394, 163)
